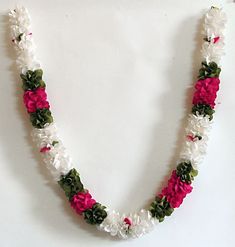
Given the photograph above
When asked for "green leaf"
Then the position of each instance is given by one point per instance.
(169, 211)
(23, 77)
(194, 173)
(32, 80)
(203, 110)
(209, 70)
(38, 73)
(186, 172)
(40, 118)
(71, 183)
(54, 143)
(160, 208)
(19, 37)
(95, 215)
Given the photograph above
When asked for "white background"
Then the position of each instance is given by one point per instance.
(119, 77)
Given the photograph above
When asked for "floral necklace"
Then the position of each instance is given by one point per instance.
(59, 163)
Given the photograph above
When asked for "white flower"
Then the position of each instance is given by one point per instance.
(45, 136)
(214, 23)
(213, 27)
(114, 224)
(141, 223)
(194, 150)
(212, 52)
(22, 38)
(27, 61)
(56, 159)
(20, 21)
(198, 124)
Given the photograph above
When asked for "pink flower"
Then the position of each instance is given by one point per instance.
(82, 201)
(36, 99)
(128, 221)
(206, 91)
(216, 39)
(45, 149)
(176, 190)
(190, 138)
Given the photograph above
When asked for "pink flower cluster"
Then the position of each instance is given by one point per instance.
(176, 190)
(206, 91)
(36, 99)
(82, 201)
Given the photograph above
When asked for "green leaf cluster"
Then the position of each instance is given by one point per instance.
(204, 110)
(160, 208)
(71, 183)
(186, 172)
(209, 70)
(95, 215)
(32, 80)
(41, 117)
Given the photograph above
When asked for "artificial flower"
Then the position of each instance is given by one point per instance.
(206, 91)
(71, 183)
(36, 99)
(176, 190)
(82, 201)
(95, 215)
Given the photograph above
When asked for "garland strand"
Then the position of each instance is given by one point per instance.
(59, 163)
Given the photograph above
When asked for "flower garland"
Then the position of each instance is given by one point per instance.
(59, 163)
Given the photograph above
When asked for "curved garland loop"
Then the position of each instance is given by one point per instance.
(59, 163)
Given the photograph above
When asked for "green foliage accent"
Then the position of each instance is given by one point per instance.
(186, 172)
(199, 137)
(32, 80)
(19, 37)
(160, 208)
(54, 143)
(71, 183)
(95, 215)
(204, 110)
(41, 117)
(209, 70)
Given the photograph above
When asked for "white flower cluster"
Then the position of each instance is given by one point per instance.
(141, 223)
(22, 37)
(214, 25)
(194, 150)
(56, 159)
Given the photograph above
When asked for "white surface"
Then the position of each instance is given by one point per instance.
(118, 77)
